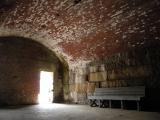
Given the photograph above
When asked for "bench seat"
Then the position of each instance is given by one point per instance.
(120, 93)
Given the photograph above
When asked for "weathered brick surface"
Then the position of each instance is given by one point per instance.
(21, 61)
(86, 31)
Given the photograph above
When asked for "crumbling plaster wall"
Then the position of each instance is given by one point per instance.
(80, 32)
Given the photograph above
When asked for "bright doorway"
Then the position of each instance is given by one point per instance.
(46, 87)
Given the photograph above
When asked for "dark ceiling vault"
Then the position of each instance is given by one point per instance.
(83, 30)
(77, 1)
(6, 2)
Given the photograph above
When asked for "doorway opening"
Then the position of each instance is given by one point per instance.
(46, 87)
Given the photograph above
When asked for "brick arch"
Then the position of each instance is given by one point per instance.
(62, 70)
(38, 37)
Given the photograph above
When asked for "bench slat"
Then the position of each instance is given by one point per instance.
(114, 97)
(120, 93)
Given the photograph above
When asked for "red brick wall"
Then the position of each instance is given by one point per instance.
(91, 29)
(21, 61)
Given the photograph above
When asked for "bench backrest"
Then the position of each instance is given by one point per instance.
(128, 91)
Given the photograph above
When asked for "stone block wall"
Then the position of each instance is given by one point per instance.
(135, 67)
(78, 85)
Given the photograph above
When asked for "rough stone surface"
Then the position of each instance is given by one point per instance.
(135, 67)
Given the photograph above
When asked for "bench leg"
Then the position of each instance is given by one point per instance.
(110, 104)
(99, 103)
(138, 106)
(122, 105)
(92, 103)
(102, 103)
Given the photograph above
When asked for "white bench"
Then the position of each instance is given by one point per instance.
(119, 93)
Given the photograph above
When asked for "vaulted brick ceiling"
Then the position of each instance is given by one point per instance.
(83, 30)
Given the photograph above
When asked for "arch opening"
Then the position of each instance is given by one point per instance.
(45, 95)
(21, 62)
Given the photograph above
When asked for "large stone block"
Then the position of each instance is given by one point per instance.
(97, 76)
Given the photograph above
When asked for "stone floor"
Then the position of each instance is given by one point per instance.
(73, 112)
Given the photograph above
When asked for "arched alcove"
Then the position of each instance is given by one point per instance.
(21, 60)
